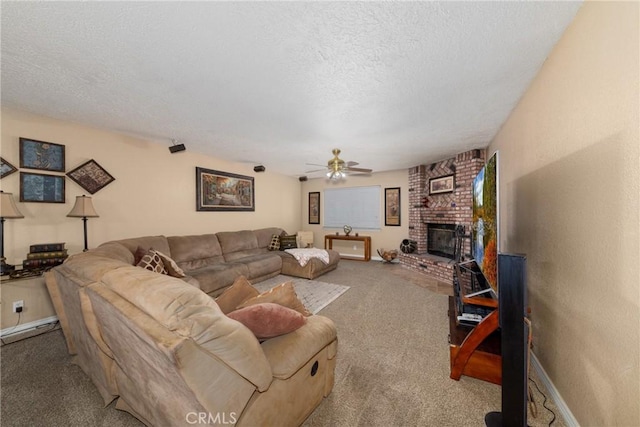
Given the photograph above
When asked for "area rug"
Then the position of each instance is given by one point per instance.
(313, 294)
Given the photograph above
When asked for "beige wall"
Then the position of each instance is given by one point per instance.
(387, 237)
(569, 182)
(154, 190)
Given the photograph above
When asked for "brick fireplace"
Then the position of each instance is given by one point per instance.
(442, 211)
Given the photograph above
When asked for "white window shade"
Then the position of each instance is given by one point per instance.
(358, 207)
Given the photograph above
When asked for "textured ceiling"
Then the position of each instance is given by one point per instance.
(393, 84)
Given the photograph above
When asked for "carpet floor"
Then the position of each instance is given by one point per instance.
(392, 366)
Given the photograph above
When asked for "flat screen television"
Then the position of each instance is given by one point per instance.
(484, 245)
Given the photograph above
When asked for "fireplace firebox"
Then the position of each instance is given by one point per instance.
(441, 240)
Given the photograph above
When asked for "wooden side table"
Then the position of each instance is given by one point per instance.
(328, 244)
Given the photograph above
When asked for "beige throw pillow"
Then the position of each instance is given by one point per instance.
(240, 291)
(171, 266)
(283, 294)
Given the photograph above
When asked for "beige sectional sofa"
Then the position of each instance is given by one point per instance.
(164, 349)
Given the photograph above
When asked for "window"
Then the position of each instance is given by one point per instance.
(358, 207)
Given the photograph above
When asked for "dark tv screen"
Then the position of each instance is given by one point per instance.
(485, 221)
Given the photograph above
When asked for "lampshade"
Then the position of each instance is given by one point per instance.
(8, 208)
(83, 208)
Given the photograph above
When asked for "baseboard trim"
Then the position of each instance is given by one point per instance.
(569, 419)
(27, 326)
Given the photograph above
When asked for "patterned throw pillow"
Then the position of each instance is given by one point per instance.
(152, 261)
(171, 266)
(275, 243)
(288, 242)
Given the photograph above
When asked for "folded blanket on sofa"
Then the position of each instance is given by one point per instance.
(304, 255)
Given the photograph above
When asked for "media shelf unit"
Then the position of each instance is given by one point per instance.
(475, 351)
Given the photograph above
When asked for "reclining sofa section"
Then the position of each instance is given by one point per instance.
(164, 349)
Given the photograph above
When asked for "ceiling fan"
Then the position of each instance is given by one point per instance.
(337, 168)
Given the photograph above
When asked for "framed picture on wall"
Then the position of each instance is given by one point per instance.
(392, 206)
(223, 191)
(91, 176)
(41, 188)
(314, 207)
(6, 168)
(41, 155)
(444, 184)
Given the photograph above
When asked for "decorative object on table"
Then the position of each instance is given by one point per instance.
(91, 176)
(443, 184)
(392, 206)
(6, 168)
(29, 272)
(223, 191)
(314, 207)
(41, 188)
(83, 209)
(388, 256)
(8, 209)
(41, 155)
(347, 229)
(45, 255)
(408, 246)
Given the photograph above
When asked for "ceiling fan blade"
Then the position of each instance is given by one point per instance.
(315, 164)
(349, 164)
(359, 170)
(317, 170)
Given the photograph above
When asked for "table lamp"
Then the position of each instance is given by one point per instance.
(8, 209)
(83, 209)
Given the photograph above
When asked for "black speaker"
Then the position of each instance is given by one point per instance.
(303, 178)
(177, 148)
(259, 168)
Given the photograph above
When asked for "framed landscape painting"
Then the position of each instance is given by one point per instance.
(41, 188)
(41, 155)
(223, 191)
(444, 184)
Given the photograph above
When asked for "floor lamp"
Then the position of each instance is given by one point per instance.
(83, 209)
(8, 209)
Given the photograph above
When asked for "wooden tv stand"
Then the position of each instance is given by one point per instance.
(475, 351)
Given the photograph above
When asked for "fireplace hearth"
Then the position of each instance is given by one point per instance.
(441, 240)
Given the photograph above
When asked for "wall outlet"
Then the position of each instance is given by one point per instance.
(18, 306)
(355, 247)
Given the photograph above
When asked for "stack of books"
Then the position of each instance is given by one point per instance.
(45, 255)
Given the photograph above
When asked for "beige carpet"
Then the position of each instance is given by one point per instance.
(392, 366)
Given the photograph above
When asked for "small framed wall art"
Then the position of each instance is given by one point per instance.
(314, 207)
(41, 188)
(91, 176)
(41, 155)
(223, 191)
(392, 206)
(6, 168)
(443, 184)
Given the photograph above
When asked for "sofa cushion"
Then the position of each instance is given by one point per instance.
(194, 252)
(261, 265)
(236, 294)
(238, 244)
(191, 313)
(268, 320)
(159, 243)
(214, 278)
(283, 294)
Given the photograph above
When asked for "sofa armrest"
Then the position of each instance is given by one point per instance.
(288, 353)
